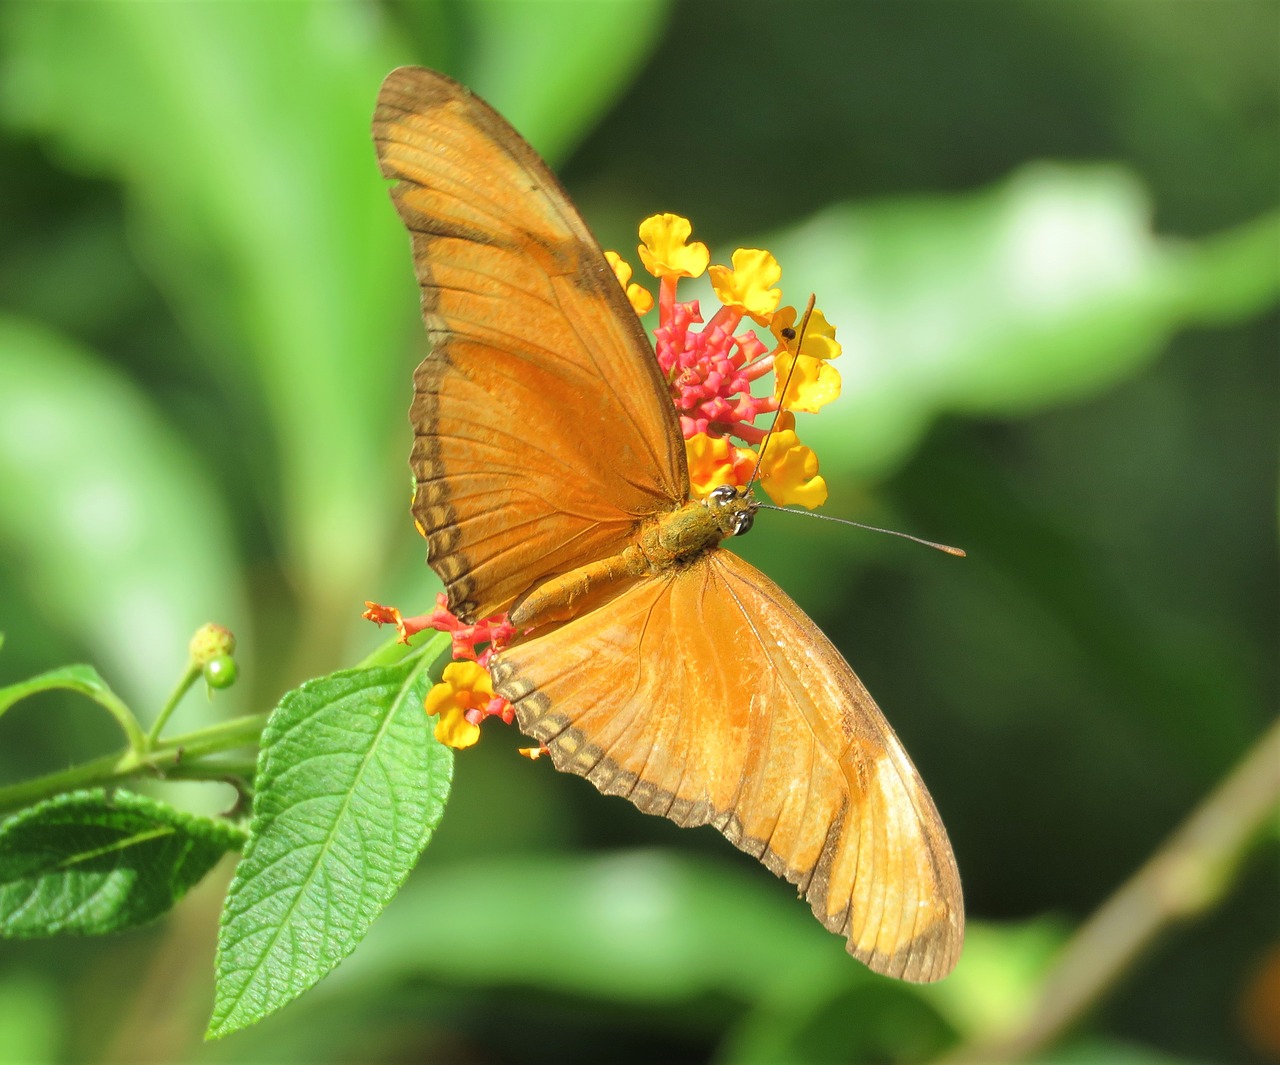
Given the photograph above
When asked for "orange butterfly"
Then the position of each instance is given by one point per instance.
(552, 484)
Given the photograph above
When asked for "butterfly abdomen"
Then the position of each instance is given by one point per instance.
(662, 542)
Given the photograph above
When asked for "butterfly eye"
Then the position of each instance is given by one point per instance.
(723, 494)
(742, 522)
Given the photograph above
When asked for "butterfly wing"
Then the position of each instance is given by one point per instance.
(706, 695)
(543, 427)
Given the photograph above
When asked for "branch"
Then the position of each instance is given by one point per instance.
(1190, 873)
(178, 757)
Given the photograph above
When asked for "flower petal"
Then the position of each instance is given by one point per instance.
(813, 385)
(665, 249)
(620, 267)
(748, 287)
(819, 339)
(469, 677)
(454, 730)
(789, 471)
(641, 299)
(463, 686)
(713, 462)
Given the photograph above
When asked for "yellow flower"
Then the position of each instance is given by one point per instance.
(814, 383)
(640, 298)
(789, 471)
(665, 250)
(749, 285)
(463, 686)
(713, 462)
(819, 339)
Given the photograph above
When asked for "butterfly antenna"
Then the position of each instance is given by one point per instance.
(798, 336)
(958, 552)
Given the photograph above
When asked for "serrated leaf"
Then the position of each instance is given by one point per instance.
(89, 863)
(350, 786)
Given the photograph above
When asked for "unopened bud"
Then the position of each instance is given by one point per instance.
(211, 641)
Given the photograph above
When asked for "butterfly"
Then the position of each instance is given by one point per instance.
(552, 483)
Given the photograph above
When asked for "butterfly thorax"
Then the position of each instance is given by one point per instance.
(664, 541)
(684, 533)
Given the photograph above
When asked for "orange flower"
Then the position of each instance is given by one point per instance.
(388, 615)
(713, 462)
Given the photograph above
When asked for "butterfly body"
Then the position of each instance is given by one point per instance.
(662, 542)
(651, 660)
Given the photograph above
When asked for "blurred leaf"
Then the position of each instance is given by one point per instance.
(262, 214)
(90, 863)
(883, 1021)
(998, 977)
(645, 926)
(79, 678)
(108, 517)
(651, 927)
(350, 787)
(31, 1021)
(535, 61)
(1045, 288)
(1110, 1052)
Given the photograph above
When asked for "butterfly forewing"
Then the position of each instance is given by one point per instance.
(543, 428)
(706, 695)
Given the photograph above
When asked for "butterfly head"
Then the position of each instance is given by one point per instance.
(733, 509)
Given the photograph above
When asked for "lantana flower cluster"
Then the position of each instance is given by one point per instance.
(464, 698)
(710, 371)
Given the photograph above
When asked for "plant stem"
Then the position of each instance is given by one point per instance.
(1186, 876)
(214, 769)
(183, 686)
(124, 717)
(179, 756)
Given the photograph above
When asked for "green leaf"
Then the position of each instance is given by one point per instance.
(350, 787)
(31, 1018)
(78, 678)
(258, 209)
(551, 68)
(1042, 289)
(1102, 1051)
(643, 926)
(92, 862)
(106, 513)
(85, 680)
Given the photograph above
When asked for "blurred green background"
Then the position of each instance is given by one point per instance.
(1048, 236)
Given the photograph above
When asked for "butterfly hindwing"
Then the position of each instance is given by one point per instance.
(706, 695)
